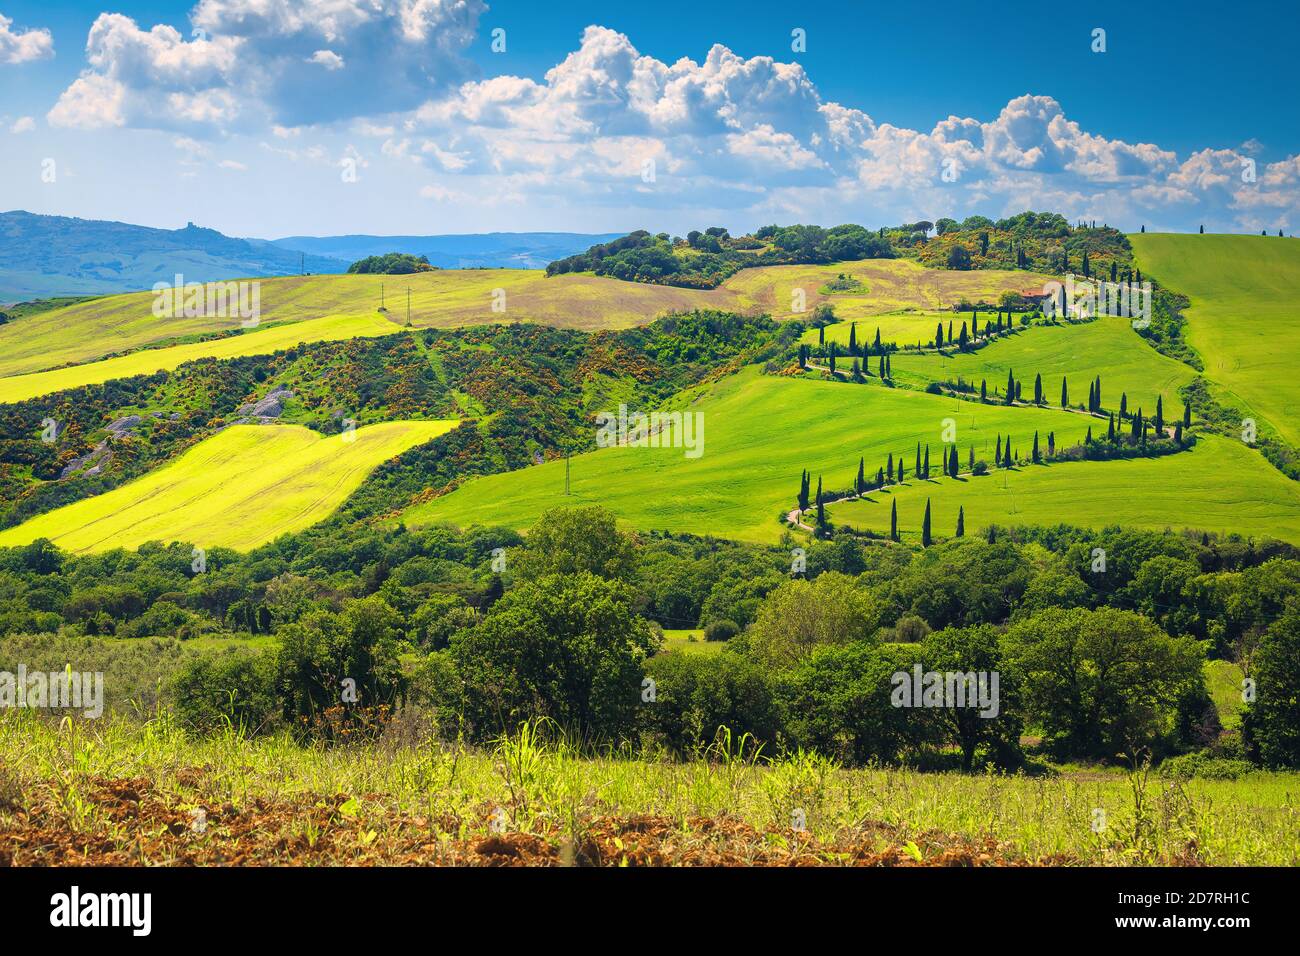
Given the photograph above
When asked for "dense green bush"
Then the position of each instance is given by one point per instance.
(1272, 721)
(235, 688)
(837, 701)
(695, 694)
(569, 647)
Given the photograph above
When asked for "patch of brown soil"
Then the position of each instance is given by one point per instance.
(130, 822)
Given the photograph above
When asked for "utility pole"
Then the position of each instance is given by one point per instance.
(566, 472)
(408, 305)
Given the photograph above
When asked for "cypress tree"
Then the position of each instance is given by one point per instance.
(1123, 405)
(1051, 444)
(926, 540)
(1187, 416)
(877, 338)
(950, 331)
(900, 469)
(853, 339)
(984, 390)
(997, 455)
(1065, 393)
(961, 522)
(970, 459)
(832, 358)
(821, 335)
(1037, 458)
(1098, 396)
(890, 470)
(1160, 415)
(1178, 433)
(862, 477)
(882, 367)
(993, 535)
(880, 477)
(938, 336)
(916, 470)
(889, 367)
(956, 462)
(1110, 430)
(893, 520)
(962, 339)
(1011, 387)
(1088, 438)
(1038, 389)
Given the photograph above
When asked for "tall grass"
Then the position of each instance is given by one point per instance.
(537, 781)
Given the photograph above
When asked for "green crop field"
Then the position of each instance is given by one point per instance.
(1243, 315)
(759, 432)
(147, 361)
(239, 489)
(1220, 485)
(1107, 347)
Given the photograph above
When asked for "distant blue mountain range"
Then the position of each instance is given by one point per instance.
(520, 250)
(45, 256)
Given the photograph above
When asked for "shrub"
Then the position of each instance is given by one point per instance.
(568, 647)
(1203, 766)
(837, 701)
(722, 630)
(232, 685)
(695, 694)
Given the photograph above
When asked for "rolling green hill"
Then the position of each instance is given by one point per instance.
(1243, 318)
(1107, 347)
(759, 433)
(1220, 485)
(239, 489)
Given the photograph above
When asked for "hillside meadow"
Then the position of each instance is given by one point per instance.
(760, 432)
(259, 341)
(348, 305)
(1106, 347)
(1242, 319)
(1219, 485)
(239, 489)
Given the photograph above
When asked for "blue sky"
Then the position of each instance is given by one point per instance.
(396, 116)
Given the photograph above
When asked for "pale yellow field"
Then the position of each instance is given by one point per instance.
(147, 361)
(239, 489)
(450, 298)
(440, 299)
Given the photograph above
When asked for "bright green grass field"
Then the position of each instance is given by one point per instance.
(904, 327)
(679, 641)
(1107, 347)
(1220, 485)
(1243, 318)
(238, 489)
(1223, 680)
(759, 432)
(147, 361)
